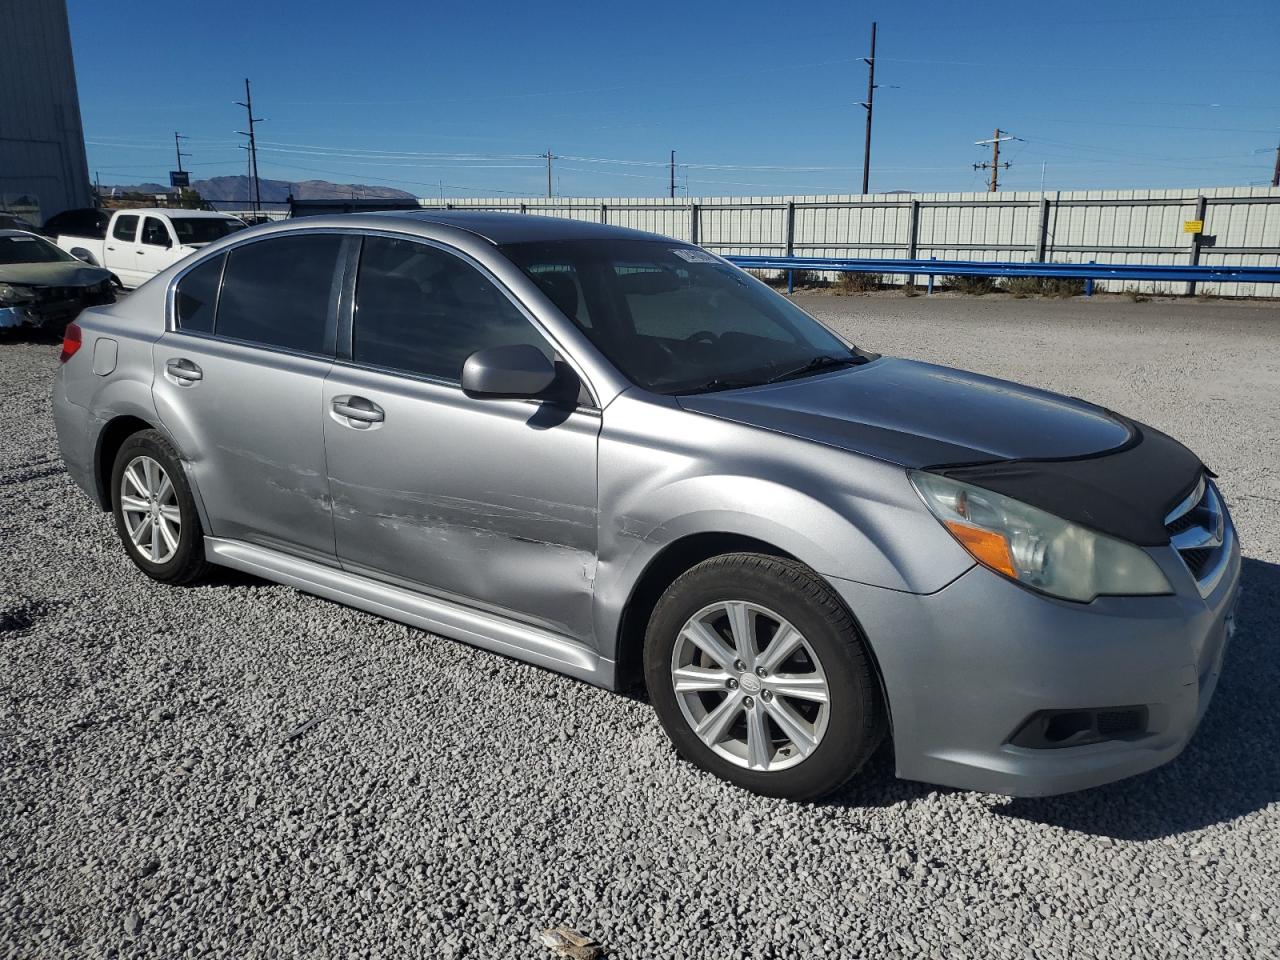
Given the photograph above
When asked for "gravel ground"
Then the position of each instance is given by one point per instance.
(240, 770)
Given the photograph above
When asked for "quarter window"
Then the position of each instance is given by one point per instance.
(126, 228)
(277, 291)
(424, 311)
(197, 296)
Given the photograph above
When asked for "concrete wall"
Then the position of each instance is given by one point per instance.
(1106, 226)
(43, 170)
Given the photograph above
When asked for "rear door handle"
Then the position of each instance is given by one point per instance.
(358, 409)
(180, 368)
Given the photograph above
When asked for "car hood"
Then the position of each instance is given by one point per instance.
(920, 414)
(52, 274)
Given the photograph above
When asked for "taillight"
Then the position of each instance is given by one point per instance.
(71, 341)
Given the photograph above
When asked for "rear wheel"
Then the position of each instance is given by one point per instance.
(759, 675)
(154, 511)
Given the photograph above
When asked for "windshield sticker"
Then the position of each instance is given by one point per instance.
(24, 239)
(693, 255)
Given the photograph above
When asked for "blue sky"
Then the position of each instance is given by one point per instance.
(756, 98)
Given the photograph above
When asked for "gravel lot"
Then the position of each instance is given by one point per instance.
(240, 770)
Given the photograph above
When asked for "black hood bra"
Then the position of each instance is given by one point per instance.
(1125, 491)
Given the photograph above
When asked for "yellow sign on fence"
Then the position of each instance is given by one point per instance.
(1193, 226)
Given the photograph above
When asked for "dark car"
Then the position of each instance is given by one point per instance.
(43, 286)
(9, 222)
(85, 222)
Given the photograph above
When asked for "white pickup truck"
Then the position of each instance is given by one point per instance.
(138, 244)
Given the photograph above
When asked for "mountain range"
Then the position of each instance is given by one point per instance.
(239, 190)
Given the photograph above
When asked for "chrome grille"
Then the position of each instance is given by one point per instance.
(1198, 530)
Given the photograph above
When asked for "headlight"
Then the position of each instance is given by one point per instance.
(1036, 548)
(12, 294)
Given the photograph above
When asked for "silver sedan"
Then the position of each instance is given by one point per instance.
(617, 456)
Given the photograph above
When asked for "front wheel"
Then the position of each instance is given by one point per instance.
(760, 676)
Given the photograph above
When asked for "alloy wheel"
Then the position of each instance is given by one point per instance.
(149, 504)
(750, 686)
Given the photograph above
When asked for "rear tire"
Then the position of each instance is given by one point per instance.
(155, 513)
(793, 712)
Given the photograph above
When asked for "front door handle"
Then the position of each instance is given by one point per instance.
(180, 368)
(358, 409)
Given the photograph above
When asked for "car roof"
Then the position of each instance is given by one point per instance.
(6, 232)
(177, 212)
(500, 228)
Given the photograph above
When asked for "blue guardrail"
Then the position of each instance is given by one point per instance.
(1185, 273)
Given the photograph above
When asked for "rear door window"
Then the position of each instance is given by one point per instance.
(277, 292)
(424, 311)
(126, 228)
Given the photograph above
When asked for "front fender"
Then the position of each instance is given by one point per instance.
(667, 474)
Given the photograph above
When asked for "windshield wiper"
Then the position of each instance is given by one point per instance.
(821, 362)
(718, 383)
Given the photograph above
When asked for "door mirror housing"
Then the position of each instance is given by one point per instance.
(518, 370)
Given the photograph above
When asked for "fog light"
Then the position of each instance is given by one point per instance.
(1049, 729)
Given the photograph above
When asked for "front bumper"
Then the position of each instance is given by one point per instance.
(55, 306)
(966, 667)
(12, 317)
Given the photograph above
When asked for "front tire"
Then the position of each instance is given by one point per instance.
(154, 511)
(760, 676)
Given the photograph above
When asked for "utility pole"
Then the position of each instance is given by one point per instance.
(673, 174)
(994, 165)
(867, 104)
(177, 147)
(548, 156)
(247, 103)
(1275, 177)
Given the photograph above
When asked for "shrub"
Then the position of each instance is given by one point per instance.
(910, 290)
(975, 286)
(1066, 286)
(778, 278)
(1044, 286)
(858, 283)
(1021, 287)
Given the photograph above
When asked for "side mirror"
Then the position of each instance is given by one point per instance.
(514, 371)
(82, 255)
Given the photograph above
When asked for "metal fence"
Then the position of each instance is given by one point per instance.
(1240, 226)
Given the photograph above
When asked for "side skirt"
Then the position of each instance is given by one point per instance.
(479, 628)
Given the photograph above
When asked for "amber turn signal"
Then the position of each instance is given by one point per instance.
(989, 549)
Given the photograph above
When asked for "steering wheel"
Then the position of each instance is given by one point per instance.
(703, 336)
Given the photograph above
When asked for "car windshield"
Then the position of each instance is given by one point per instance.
(674, 319)
(25, 248)
(203, 229)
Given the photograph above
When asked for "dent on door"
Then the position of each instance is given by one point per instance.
(486, 502)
